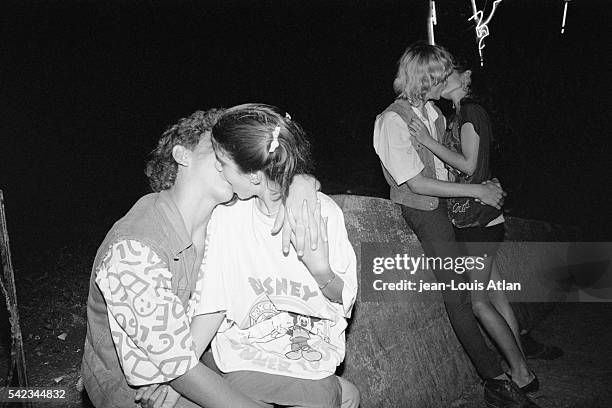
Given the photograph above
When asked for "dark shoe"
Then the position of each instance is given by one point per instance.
(505, 394)
(536, 350)
(532, 386)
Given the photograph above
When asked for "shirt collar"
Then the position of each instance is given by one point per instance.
(174, 223)
(432, 114)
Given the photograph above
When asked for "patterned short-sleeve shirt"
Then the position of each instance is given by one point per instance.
(149, 325)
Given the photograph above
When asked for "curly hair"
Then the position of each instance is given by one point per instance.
(245, 133)
(161, 169)
(421, 67)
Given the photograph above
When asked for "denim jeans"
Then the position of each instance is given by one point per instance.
(437, 237)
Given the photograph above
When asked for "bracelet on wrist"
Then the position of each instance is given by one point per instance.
(330, 280)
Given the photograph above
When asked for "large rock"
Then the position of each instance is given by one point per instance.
(401, 350)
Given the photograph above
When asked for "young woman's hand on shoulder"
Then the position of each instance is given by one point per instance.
(317, 259)
(302, 190)
(419, 131)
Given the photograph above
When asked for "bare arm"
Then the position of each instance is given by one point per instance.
(200, 384)
(330, 284)
(488, 193)
(203, 329)
(207, 389)
(317, 260)
(464, 161)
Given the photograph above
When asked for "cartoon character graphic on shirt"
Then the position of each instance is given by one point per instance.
(300, 329)
(300, 333)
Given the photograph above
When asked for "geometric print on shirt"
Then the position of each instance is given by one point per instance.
(149, 325)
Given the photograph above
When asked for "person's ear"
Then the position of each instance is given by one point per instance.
(181, 155)
(255, 178)
(467, 76)
(466, 80)
(218, 165)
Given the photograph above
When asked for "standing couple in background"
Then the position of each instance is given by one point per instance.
(441, 180)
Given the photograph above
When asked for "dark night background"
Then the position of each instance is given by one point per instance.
(87, 88)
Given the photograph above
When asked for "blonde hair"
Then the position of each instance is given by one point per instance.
(421, 67)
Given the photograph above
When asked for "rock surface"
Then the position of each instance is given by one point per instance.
(401, 350)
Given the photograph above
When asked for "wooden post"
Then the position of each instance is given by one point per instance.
(7, 284)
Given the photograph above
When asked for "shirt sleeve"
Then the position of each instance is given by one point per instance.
(476, 115)
(394, 147)
(149, 326)
(342, 256)
(213, 296)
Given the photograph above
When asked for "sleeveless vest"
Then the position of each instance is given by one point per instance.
(402, 194)
(152, 221)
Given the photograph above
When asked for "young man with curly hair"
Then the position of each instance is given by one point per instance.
(145, 279)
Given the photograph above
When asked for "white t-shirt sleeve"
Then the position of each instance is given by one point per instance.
(394, 148)
(341, 255)
(213, 295)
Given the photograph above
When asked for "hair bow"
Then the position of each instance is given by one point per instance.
(274, 143)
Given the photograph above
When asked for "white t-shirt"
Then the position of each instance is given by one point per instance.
(277, 319)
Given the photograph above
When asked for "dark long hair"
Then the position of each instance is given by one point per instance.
(479, 92)
(245, 133)
(478, 88)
